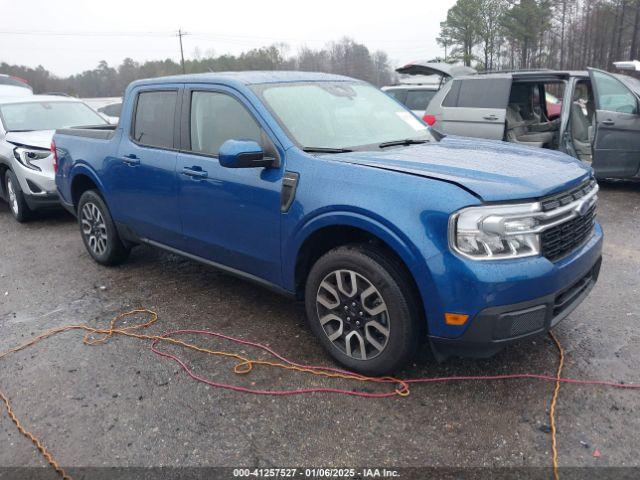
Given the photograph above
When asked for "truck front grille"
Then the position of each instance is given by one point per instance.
(561, 240)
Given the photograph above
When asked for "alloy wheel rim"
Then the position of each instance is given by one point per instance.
(93, 228)
(353, 314)
(13, 198)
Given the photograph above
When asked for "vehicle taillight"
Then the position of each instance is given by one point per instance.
(55, 156)
(20, 79)
(430, 119)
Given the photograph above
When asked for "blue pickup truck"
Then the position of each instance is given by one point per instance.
(324, 188)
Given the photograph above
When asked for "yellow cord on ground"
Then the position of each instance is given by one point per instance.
(92, 337)
(96, 336)
(552, 409)
(41, 448)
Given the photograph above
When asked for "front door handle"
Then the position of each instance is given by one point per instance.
(192, 172)
(131, 159)
(490, 117)
(608, 122)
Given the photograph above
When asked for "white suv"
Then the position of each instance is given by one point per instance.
(27, 125)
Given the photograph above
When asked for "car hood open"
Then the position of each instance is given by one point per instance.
(36, 138)
(494, 171)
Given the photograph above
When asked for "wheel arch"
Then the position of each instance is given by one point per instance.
(332, 230)
(4, 168)
(83, 179)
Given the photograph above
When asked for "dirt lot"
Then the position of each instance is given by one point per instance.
(120, 405)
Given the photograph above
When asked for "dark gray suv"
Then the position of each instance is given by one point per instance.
(592, 115)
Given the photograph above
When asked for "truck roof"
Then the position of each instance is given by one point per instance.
(246, 78)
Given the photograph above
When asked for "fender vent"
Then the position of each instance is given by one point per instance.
(288, 194)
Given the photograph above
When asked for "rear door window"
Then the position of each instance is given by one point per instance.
(154, 119)
(451, 100)
(419, 99)
(479, 93)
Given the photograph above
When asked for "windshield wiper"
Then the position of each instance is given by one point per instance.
(325, 150)
(406, 141)
(19, 131)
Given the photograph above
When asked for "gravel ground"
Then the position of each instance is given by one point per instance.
(120, 405)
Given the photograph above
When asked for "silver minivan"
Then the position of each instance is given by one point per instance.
(419, 81)
(598, 117)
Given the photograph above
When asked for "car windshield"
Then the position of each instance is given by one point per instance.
(341, 115)
(29, 116)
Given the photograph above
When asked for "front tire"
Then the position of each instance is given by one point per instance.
(99, 233)
(362, 307)
(17, 203)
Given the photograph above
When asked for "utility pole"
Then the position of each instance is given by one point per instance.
(180, 35)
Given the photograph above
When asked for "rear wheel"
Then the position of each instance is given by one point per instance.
(17, 203)
(361, 306)
(99, 233)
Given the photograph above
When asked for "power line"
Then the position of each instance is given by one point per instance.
(238, 39)
(86, 34)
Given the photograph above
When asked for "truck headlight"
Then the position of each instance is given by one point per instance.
(496, 231)
(29, 157)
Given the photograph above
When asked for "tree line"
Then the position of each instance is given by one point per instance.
(488, 34)
(560, 34)
(345, 57)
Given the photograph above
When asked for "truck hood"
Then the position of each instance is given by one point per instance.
(492, 170)
(36, 138)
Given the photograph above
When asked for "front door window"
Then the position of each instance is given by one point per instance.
(613, 96)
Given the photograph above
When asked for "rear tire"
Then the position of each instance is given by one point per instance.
(362, 307)
(99, 233)
(17, 203)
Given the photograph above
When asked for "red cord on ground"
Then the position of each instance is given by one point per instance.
(351, 375)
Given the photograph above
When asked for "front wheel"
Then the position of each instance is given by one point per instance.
(360, 304)
(99, 233)
(17, 203)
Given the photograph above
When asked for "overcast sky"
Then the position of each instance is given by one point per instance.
(90, 31)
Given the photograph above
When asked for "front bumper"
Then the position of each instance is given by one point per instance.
(42, 201)
(38, 187)
(495, 327)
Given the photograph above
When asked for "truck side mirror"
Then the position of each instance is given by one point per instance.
(243, 154)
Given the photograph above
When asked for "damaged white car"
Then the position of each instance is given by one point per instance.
(27, 125)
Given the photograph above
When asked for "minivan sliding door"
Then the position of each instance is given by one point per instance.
(476, 107)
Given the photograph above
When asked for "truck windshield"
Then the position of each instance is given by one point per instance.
(341, 115)
(29, 116)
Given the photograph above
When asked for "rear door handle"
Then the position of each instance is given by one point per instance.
(132, 160)
(192, 172)
(490, 117)
(608, 122)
